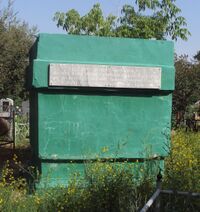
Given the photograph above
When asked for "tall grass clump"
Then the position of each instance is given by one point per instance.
(182, 172)
(116, 186)
(106, 186)
(182, 166)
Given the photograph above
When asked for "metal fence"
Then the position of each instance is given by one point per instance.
(21, 132)
(172, 200)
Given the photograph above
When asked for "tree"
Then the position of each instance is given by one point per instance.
(135, 25)
(197, 56)
(92, 23)
(168, 13)
(187, 89)
(15, 41)
(163, 21)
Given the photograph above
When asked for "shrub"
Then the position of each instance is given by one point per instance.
(182, 172)
(107, 186)
(182, 167)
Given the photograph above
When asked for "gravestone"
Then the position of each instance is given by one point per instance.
(7, 122)
(88, 93)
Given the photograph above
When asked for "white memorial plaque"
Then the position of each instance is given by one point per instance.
(107, 76)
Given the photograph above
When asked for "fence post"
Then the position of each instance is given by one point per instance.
(13, 133)
(158, 186)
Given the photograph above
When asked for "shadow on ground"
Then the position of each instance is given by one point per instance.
(22, 153)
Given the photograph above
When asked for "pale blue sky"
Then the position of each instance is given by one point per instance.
(41, 12)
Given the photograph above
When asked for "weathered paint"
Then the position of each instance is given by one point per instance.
(40, 77)
(101, 50)
(76, 123)
(104, 76)
(79, 126)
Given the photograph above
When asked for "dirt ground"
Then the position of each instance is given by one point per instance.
(23, 153)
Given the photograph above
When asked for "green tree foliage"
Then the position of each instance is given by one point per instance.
(15, 41)
(187, 89)
(92, 23)
(167, 13)
(135, 25)
(197, 56)
(162, 20)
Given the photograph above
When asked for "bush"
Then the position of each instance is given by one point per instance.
(182, 167)
(182, 172)
(113, 186)
(107, 186)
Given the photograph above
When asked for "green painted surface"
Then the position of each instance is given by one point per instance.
(79, 126)
(100, 50)
(41, 73)
(55, 174)
(69, 124)
(94, 49)
(52, 171)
